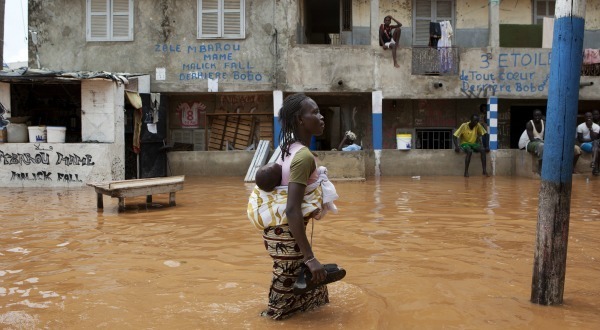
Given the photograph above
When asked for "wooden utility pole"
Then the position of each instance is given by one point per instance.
(2, 10)
(550, 261)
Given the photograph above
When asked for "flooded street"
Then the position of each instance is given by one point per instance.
(439, 252)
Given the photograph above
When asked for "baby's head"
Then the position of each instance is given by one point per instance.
(268, 176)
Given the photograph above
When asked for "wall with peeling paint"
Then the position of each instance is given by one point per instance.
(270, 58)
(164, 37)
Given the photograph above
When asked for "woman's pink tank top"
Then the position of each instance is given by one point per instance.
(285, 165)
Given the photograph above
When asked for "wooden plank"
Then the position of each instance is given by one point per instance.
(145, 191)
(233, 129)
(145, 182)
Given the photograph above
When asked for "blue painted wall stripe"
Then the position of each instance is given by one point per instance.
(563, 96)
(276, 130)
(378, 131)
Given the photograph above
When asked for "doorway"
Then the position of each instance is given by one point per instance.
(325, 141)
(322, 22)
(519, 116)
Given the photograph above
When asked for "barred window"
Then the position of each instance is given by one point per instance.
(346, 15)
(434, 138)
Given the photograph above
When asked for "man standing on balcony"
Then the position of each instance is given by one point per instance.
(466, 138)
(389, 36)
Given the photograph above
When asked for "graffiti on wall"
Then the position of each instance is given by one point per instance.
(73, 162)
(522, 73)
(212, 61)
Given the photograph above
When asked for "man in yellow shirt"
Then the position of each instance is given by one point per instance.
(467, 137)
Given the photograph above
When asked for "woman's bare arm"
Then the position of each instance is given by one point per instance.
(293, 212)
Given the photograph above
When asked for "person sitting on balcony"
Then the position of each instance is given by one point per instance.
(587, 133)
(466, 138)
(389, 36)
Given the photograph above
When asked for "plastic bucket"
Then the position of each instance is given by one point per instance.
(17, 133)
(37, 133)
(403, 141)
(56, 133)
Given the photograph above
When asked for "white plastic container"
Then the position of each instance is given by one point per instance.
(37, 133)
(17, 133)
(56, 134)
(403, 141)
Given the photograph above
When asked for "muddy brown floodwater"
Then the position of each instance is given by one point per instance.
(439, 252)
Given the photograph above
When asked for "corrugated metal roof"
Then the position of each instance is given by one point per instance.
(26, 75)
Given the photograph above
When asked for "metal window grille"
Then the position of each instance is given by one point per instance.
(434, 138)
(443, 61)
(347, 15)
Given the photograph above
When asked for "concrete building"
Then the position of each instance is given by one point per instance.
(244, 56)
(88, 110)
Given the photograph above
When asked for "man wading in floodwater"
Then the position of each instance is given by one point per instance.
(466, 138)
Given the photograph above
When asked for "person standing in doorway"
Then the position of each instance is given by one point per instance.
(389, 36)
(467, 138)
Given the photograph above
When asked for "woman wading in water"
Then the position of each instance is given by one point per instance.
(284, 233)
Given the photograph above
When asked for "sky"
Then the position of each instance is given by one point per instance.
(15, 31)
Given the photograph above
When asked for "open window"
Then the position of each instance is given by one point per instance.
(331, 22)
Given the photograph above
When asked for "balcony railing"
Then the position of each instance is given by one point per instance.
(590, 70)
(443, 61)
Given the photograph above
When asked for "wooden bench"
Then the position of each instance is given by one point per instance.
(138, 187)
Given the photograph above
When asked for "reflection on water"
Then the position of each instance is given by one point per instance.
(432, 252)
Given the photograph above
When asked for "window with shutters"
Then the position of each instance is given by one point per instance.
(541, 9)
(109, 20)
(426, 11)
(221, 19)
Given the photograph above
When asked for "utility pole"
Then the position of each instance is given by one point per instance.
(2, 10)
(550, 260)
